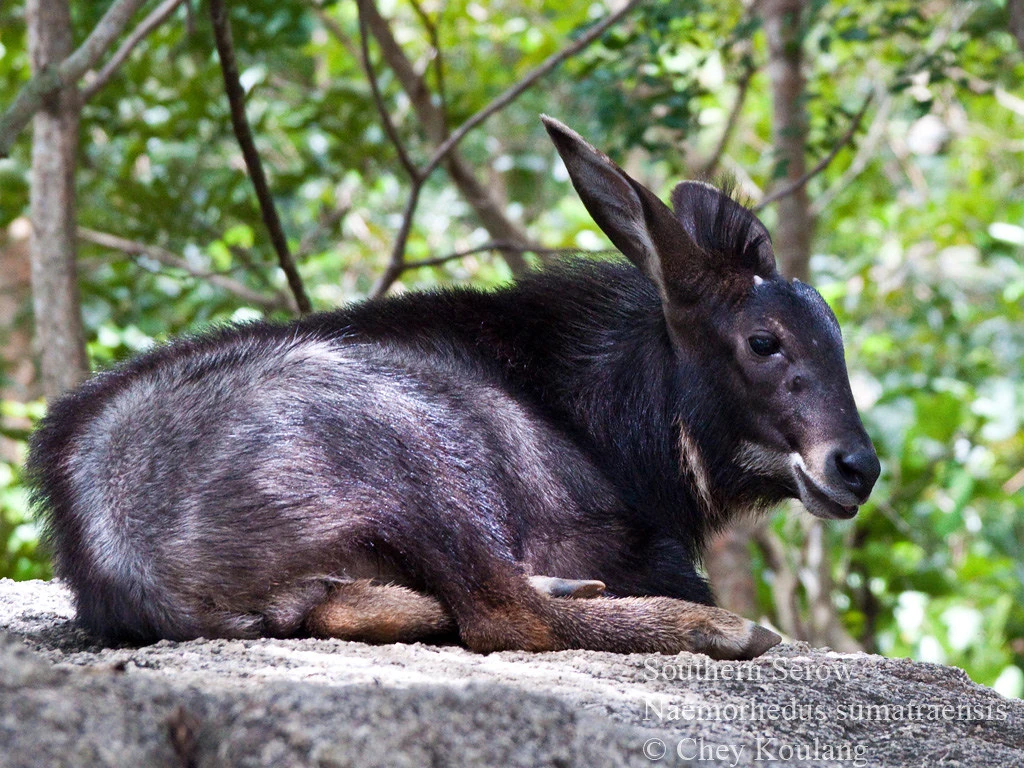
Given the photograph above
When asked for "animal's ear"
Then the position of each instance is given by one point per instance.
(711, 247)
(635, 220)
(732, 239)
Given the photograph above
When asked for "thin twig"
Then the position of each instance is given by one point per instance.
(483, 200)
(32, 95)
(865, 154)
(147, 25)
(824, 163)
(500, 246)
(743, 87)
(415, 174)
(236, 99)
(492, 246)
(174, 261)
(396, 264)
(514, 92)
(438, 60)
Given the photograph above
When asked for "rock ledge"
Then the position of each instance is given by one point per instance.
(66, 701)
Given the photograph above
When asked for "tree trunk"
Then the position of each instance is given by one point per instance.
(1016, 9)
(730, 570)
(55, 301)
(18, 379)
(795, 227)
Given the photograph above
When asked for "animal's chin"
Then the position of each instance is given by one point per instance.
(817, 499)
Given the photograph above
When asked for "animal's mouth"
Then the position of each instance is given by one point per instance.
(818, 500)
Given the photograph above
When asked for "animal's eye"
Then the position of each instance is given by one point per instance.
(763, 345)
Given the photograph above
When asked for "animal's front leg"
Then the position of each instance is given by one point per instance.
(658, 625)
(664, 567)
(504, 616)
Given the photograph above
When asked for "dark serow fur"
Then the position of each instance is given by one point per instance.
(400, 468)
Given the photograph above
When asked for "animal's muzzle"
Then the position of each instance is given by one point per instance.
(853, 470)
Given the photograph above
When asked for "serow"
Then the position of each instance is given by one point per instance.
(537, 467)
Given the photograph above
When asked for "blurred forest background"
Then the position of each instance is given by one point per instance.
(882, 139)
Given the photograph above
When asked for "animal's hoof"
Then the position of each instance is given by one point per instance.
(760, 640)
(734, 639)
(742, 643)
(578, 588)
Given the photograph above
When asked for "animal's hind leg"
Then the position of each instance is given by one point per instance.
(556, 587)
(370, 612)
(379, 613)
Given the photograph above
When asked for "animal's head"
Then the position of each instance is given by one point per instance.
(773, 345)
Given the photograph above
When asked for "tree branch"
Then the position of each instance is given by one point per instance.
(501, 247)
(56, 306)
(517, 90)
(818, 584)
(396, 264)
(52, 78)
(236, 100)
(822, 164)
(147, 25)
(865, 154)
(485, 203)
(172, 260)
(1016, 9)
(784, 582)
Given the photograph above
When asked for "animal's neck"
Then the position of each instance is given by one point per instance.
(606, 367)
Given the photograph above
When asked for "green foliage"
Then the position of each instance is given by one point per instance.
(918, 251)
(939, 362)
(21, 556)
(920, 258)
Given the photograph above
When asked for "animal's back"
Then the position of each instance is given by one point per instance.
(216, 485)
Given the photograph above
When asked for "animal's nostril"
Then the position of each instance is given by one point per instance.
(847, 471)
(858, 470)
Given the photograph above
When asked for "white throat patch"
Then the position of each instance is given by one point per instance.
(693, 464)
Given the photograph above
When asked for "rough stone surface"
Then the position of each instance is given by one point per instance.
(64, 700)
